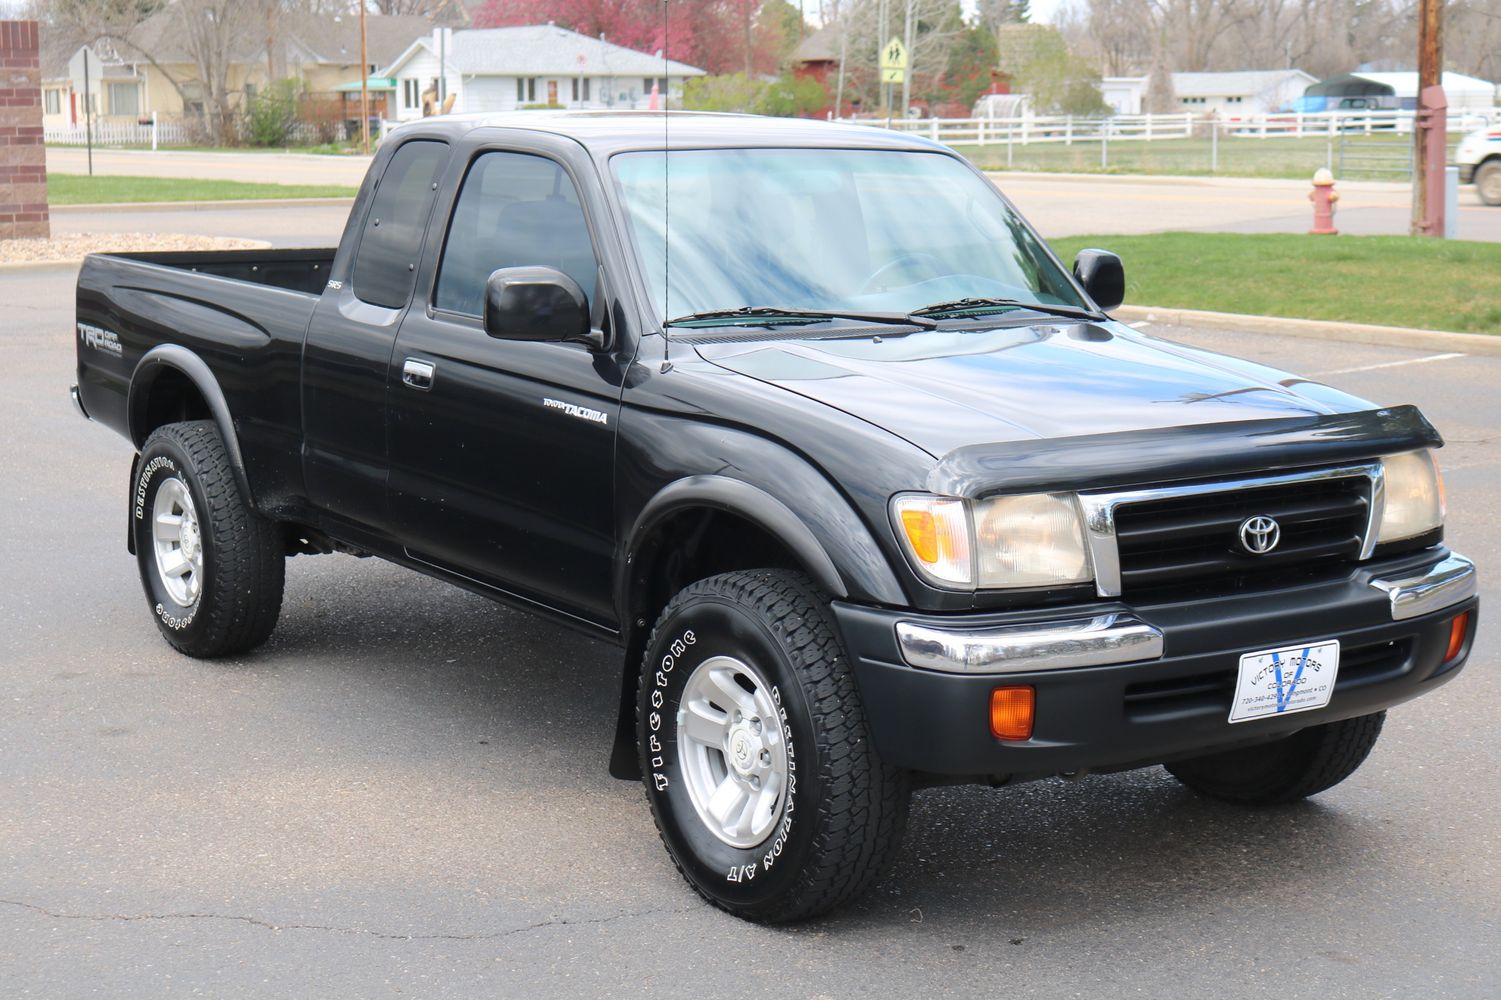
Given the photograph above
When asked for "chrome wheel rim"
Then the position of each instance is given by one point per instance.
(177, 542)
(733, 753)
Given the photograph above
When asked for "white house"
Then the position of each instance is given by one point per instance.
(542, 65)
(1229, 95)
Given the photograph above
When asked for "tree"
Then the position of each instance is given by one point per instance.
(1039, 63)
(787, 96)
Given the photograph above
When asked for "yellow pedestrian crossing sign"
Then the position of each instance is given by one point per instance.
(893, 61)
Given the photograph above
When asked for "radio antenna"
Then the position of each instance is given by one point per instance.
(666, 196)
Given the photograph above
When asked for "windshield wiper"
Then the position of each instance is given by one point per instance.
(772, 316)
(983, 305)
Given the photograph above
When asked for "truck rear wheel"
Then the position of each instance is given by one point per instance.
(1488, 182)
(212, 568)
(1297, 766)
(757, 762)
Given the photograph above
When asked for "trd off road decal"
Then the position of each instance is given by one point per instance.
(100, 339)
(574, 410)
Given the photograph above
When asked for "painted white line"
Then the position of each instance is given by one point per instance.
(1391, 364)
(1140, 324)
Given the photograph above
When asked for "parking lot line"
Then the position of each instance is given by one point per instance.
(1391, 364)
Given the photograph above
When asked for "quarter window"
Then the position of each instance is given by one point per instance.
(386, 262)
(514, 210)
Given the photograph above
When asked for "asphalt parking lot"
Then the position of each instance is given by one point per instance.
(404, 793)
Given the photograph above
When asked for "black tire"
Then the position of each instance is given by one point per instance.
(1292, 768)
(1488, 182)
(843, 811)
(236, 602)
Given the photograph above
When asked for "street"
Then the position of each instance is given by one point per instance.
(404, 792)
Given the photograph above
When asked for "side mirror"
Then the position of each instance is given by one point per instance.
(1103, 277)
(537, 303)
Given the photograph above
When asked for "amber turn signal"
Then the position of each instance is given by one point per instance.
(1457, 630)
(1011, 712)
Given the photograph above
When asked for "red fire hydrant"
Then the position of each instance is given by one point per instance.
(1323, 197)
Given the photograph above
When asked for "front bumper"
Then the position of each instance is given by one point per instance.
(1119, 687)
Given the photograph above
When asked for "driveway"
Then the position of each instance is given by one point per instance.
(403, 794)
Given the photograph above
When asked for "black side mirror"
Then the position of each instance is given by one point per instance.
(537, 303)
(1103, 277)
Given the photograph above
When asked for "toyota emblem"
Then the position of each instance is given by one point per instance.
(1260, 534)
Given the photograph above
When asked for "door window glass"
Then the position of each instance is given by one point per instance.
(514, 210)
(385, 264)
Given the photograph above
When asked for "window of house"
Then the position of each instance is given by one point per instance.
(411, 96)
(514, 210)
(526, 90)
(124, 99)
(54, 101)
(385, 264)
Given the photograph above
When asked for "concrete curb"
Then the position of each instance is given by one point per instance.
(1318, 329)
(198, 206)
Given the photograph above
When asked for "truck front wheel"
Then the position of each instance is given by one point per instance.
(1488, 182)
(755, 753)
(212, 568)
(1294, 767)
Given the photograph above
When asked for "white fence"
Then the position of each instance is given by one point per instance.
(1069, 129)
(119, 132)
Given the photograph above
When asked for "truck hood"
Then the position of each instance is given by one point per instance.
(944, 390)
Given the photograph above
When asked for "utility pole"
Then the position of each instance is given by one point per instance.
(880, 43)
(364, 84)
(88, 107)
(907, 75)
(1430, 131)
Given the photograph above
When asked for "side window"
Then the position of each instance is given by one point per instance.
(385, 263)
(514, 210)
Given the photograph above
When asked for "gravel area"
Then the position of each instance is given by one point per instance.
(76, 246)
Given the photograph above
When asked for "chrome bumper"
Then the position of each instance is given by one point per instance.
(78, 401)
(1096, 641)
(1448, 582)
(1121, 637)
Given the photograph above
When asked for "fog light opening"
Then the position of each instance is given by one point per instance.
(1458, 629)
(1011, 712)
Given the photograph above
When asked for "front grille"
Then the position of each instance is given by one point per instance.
(1155, 701)
(1190, 545)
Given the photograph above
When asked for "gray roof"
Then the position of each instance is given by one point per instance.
(1238, 84)
(821, 46)
(545, 49)
(317, 38)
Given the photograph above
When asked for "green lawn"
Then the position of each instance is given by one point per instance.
(1389, 280)
(1354, 157)
(79, 189)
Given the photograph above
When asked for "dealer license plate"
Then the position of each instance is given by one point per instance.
(1281, 681)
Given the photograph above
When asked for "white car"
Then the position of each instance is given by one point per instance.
(1479, 159)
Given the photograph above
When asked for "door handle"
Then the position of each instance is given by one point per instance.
(417, 374)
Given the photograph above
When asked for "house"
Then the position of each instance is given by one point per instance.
(153, 70)
(1397, 91)
(1229, 95)
(817, 58)
(540, 65)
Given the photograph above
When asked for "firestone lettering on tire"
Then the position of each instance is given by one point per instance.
(159, 462)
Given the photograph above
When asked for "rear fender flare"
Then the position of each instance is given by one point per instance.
(197, 371)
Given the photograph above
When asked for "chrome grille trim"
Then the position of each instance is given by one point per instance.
(1100, 506)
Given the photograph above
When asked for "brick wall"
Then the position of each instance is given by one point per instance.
(23, 158)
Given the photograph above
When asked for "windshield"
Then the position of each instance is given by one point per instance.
(835, 230)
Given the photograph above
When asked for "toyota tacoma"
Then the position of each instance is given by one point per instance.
(867, 486)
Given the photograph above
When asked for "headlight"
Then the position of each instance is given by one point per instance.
(1414, 496)
(1034, 540)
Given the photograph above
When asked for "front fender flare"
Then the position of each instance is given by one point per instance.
(198, 372)
(737, 497)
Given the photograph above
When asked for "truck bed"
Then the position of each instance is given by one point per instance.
(294, 270)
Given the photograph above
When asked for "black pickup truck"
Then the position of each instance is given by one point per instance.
(867, 486)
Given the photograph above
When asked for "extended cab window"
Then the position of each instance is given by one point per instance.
(514, 210)
(385, 264)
